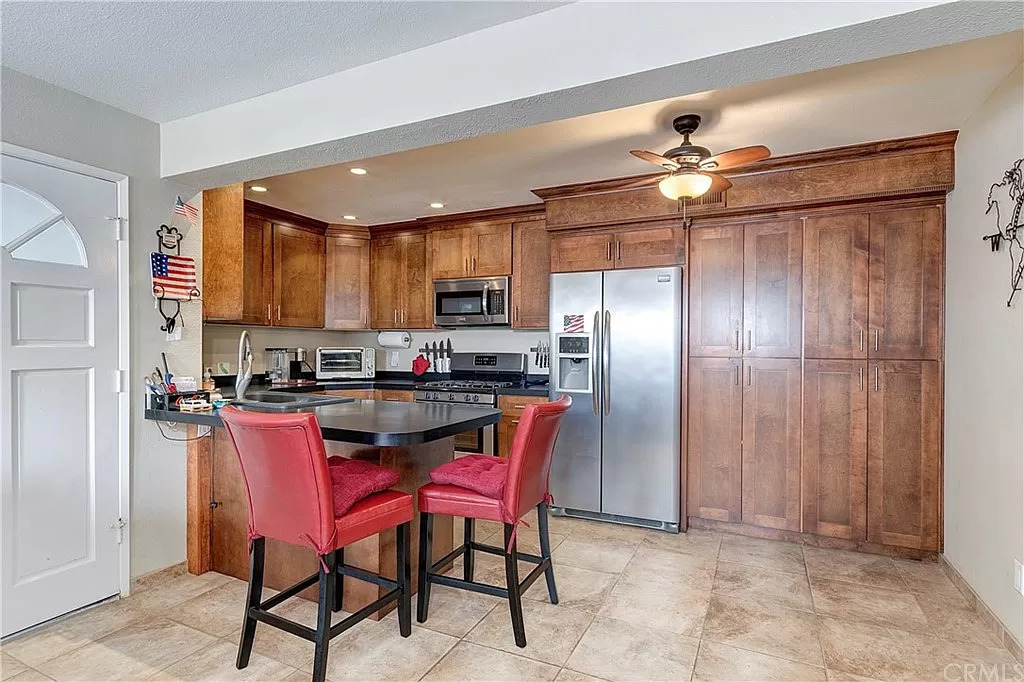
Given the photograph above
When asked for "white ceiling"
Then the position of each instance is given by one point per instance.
(911, 94)
(165, 60)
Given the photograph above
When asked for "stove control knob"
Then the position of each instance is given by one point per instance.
(467, 398)
(451, 396)
(476, 399)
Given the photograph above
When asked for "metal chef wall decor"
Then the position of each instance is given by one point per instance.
(173, 275)
(1006, 201)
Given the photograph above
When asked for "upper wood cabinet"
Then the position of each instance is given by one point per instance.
(476, 250)
(835, 443)
(257, 271)
(658, 244)
(401, 291)
(716, 291)
(347, 292)
(905, 293)
(298, 277)
(714, 435)
(836, 286)
(581, 252)
(224, 247)
(904, 437)
(531, 270)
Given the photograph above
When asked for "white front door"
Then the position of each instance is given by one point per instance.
(59, 395)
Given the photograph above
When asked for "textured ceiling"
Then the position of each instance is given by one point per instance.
(165, 60)
(912, 94)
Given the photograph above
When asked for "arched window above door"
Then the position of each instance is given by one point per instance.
(31, 228)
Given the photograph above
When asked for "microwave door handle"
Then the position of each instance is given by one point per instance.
(484, 303)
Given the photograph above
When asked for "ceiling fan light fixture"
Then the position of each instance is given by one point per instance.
(688, 185)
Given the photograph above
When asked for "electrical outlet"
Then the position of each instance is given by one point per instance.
(393, 359)
(1018, 576)
(174, 335)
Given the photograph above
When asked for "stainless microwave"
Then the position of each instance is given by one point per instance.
(472, 302)
(345, 363)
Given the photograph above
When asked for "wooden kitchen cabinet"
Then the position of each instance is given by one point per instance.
(393, 395)
(835, 443)
(357, 393)
(298, 277)
(386, 256)
(772, 277)
(581, 252)
(401, 292)
(716, 291)
(650, 247)
(771, 443)
(257, 271)
(477, 250)
(714, 438)
(347, 291)
(418, 287)
(904, 450)
(531, 271)
(836, 286)
(512, 407)
(905, 291)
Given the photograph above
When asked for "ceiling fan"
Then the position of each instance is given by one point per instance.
(692, 168)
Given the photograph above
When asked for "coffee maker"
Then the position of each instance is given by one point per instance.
(284, 365)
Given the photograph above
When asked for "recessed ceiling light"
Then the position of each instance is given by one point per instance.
(436, 204)
(258, 188)
(349, 217)
(357, 171)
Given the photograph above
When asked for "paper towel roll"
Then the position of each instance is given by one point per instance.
(394, 339)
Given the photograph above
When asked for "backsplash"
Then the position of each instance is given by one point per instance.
(220, 343)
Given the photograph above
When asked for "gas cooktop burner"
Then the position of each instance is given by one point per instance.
(466, 385)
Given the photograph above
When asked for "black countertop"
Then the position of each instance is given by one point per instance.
(398, 381)
(372, 422)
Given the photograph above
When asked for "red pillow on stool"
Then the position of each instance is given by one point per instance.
(480, 473)
(354, 479)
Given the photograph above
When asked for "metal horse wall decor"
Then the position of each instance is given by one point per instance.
(1007, 198)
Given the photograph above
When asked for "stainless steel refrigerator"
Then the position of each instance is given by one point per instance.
(616, 347)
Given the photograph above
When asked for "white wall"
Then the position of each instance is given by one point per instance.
(49, 119)
(984, 429)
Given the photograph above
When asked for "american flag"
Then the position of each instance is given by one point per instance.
(572, 324)
(174, 277)
(188, 210)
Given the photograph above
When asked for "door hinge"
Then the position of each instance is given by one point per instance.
(120, 381)
(119, 526)
(120, 227)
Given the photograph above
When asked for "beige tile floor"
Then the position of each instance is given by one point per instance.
(635, 605)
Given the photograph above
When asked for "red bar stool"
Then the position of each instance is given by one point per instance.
(292, 499)
(485, 487)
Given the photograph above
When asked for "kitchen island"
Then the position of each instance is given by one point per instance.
(410, 438)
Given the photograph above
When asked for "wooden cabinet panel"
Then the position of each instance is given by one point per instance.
(358, 393)
(904, 431)
(905, 293)
(298, 277)
(651, 247)
(223, 259)
(386, 278)
(835, 443)
(714, 433)
(771, 443)
(512, 407)
(836, 286)
(716, 290)
(257, 271)
(417, 287)
(772, 274)
(490, 249)
(393, 396)
(581, 252)
(531, 270)
(401, 291)
(450, 250)
(347, 291)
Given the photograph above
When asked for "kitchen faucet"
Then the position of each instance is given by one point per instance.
(244, 376)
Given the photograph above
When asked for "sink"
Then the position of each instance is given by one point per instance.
(275, 401)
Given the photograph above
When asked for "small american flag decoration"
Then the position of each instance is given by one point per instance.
(190, 212)
(572, 324)
(174, 277)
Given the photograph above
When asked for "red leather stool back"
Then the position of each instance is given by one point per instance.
(529, 460)
(284, 467)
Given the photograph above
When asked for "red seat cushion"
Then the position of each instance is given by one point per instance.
(480, 473)
(354, 479)
(371, 515)
(453, 500)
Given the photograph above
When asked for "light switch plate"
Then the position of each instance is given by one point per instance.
(1018, 576)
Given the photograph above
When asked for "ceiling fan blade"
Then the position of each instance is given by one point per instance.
(656, 159)
(718, 183)
(736, 157)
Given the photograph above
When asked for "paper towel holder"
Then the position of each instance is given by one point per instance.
(394, 339)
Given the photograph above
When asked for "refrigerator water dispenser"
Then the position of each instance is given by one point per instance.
(574, 369)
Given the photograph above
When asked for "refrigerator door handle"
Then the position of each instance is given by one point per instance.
(606, 383)
(593, 363)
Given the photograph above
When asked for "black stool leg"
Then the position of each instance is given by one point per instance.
(515, 600)
(545, 550)
(339, 581)
(404, 575)
(467, 558)
(325, 604)
(426, 537)
(252, 600)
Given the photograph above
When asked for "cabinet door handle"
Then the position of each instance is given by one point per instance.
(750, 375)
(474, 263)
(738, 347)
(750, 339)
(396, 316)
(608, 251)
(618, 250)
(467, 265)
(860, 342)
(403, 315)
(514, 422)
(737, 379)
(876, 378)
(860, 379)
(876, 340)
(516, 314)
(278, 313)
(268, 312)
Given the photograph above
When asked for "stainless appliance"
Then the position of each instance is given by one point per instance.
(476, 379)
(472, 302)
(346, 363)
(284, 364)
(616, 347)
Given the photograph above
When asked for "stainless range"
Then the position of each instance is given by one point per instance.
(476, 380)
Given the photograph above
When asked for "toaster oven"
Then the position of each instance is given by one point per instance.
(345, 363)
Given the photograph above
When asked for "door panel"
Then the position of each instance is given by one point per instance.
(531, 257)
(490, 252)
(581, 252)
(417, 310)
(772, 274)
(385, 279)
(716, 291)
(450, 253)
(257, 271)
(650, 247)
(714, 434)
(771, 443)
(58, 357)
(641, 341)
(905, 297)
(904, 431)
(576, 464)
(836, 286)
(835, 444)
(298, 278)
(347, 292)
